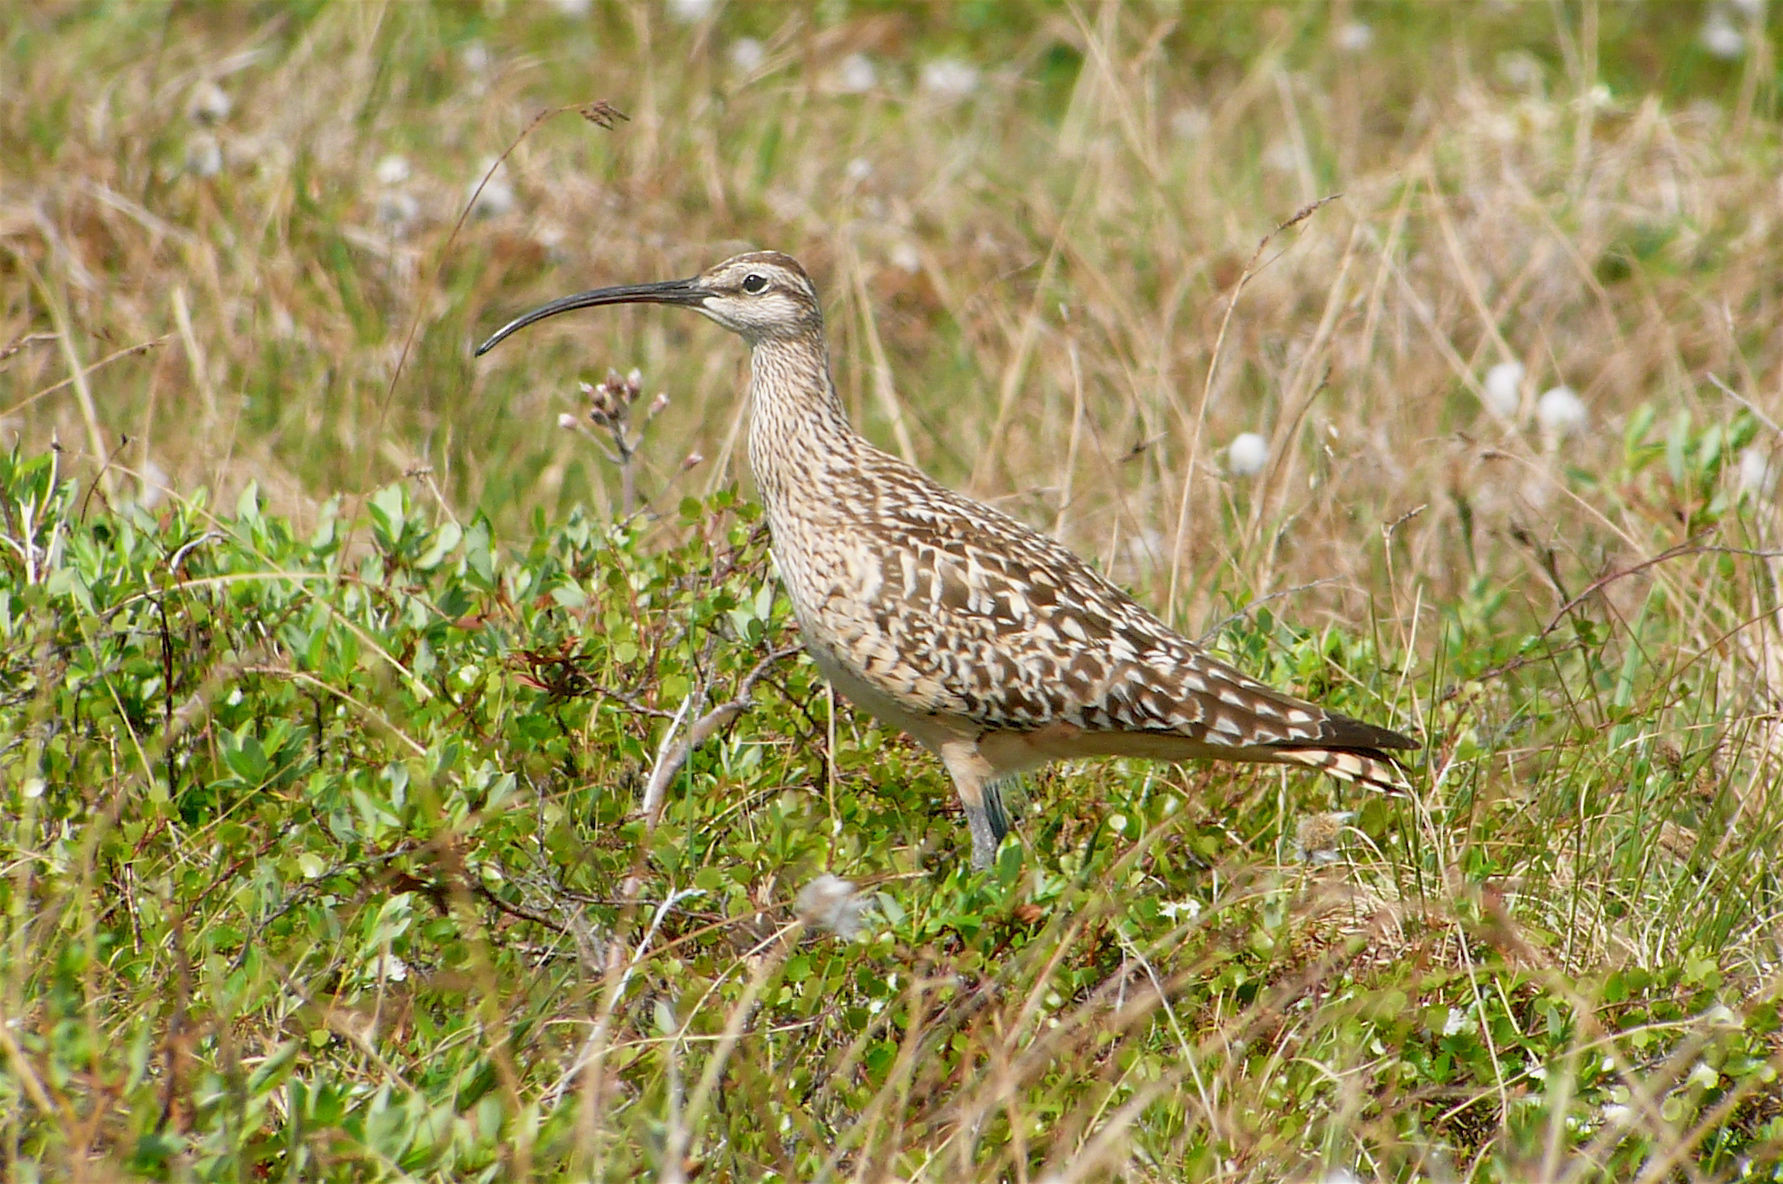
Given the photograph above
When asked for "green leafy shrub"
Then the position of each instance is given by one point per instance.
(327, 859)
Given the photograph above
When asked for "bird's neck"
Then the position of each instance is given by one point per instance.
(797, 429)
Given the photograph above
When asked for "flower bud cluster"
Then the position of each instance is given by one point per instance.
(610, 400)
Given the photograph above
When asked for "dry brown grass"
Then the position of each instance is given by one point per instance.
(1042, 291)
(1048, 291)
(1074, 249)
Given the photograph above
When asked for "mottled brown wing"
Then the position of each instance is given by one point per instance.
(1033, 637)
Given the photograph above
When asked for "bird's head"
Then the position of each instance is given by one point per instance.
(763, 296)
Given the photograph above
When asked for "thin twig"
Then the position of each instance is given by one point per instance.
(1252, 267)
(671, 757)
(1677, 552)
(1256, 603)
(1595, 586)
(1748, 404)
(630, 701)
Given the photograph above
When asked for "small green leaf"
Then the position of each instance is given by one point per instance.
(387, 515)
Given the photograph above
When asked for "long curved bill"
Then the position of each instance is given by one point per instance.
(686, 292)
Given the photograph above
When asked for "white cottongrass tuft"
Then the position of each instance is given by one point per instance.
(856, 75)
(392, 169)
(208, 104)
(1561, 413)
(1520, 68)
(1757, 472)
(1247, 454)
(397, 210)
(829, 902)
(1281, 157)
(1354, 37)
(151, 485)
(204, 155)
(475, 57)
(906, 258)
(1502, 391)
(1721, 37)
(573, 8)
(691, 12)
(496, 198)
(747, 55)
(948, 79)
(552, 236)
(1190, 123)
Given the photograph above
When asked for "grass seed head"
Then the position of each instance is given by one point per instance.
(1721, 37)
(1502, 390)
(208, 104)
(1561, 413)
(856, 75)
(204, 155)
(948, 80)
(1247, 454)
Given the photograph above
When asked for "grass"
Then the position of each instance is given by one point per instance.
(350, 823)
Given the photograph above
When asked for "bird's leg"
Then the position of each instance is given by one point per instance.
(995, 812)
(980, 795)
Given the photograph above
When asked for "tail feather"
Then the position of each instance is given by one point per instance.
(1368, 767)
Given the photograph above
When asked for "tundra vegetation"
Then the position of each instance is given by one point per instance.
(352, 820)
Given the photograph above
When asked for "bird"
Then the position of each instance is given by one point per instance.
(991, 644)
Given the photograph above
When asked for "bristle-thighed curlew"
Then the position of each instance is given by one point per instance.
(987, 641)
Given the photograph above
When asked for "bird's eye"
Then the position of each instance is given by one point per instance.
(753, 283)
